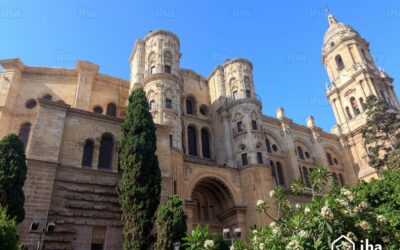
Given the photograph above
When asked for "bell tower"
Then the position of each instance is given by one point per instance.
(353, 77)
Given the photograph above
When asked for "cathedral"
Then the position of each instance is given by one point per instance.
(216, 149)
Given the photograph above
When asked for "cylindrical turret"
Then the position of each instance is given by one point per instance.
(154, 67)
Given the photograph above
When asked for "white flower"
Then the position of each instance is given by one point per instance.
(262, 246)
(209, 244)
(385, 239)
(352, 236)
(276, 230)
(364, 225)
(306, 210)
(232, 248)
(381, 218)
(294, 244)
(347, 193)
(344, 203)
(357, 210)
(272, 224)
(254, 231)
(298, 206)
(326, 213)
(255, 239)
(272, 193)
(260, 203)
(363, 205)
(303, 233)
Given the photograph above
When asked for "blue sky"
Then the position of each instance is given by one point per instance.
(283, 39)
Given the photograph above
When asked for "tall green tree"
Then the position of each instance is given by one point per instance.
(12, 176)
(8, 231)
(140, 186)
(381, 132)
(170, 223)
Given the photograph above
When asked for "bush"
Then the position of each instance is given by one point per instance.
(8, 231)
(170, 223)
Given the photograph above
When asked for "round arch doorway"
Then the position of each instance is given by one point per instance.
(213, 205)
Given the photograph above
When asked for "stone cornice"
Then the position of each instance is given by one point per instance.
(13, 63)
(163, 76)
(162, 32)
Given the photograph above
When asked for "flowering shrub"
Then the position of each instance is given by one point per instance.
(315, 225)
(199, 239)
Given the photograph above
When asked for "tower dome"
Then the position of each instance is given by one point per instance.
(336, 33)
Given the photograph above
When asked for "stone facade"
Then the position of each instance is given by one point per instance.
(215, 147)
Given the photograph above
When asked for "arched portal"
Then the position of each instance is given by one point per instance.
(213, 205)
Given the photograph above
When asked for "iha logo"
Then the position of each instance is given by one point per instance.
(345, 243)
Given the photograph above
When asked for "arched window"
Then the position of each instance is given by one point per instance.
(205, 143)
(167, 62)
(274, 174)
(192, 140)
(190, 105)
(306, 177)
(339, 62)
(341, 180)
(362, 102)
(354, 105)
(329, 158)
(259, 158)
(24, 132)
(254, 125)
(248, 93)
(98, 110)
(111, 109)
(245, 160)
(300, 152)
(348, 113)
(168, 103)
(279, 172)
(87, 156)
(235, 95)
(268, 145)
(106, 151)
(152, 105)
(47, 97)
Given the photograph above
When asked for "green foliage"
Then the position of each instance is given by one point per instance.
(366, 211)
(8, 231)
(196, 240)
(140, 186)
(381, 133)
(384, 196)
(170, 223)
(12, 176)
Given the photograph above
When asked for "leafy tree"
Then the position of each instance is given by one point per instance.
(12, 176)
(8, 231)
(384, 196)
(170, 223)
(140, 186)
(381, 132)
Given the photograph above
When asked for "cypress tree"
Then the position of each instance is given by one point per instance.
(170, 223)
(380, 131)
(140, 186)
(12, 176)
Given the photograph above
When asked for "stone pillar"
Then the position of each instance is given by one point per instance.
(227, 139)
(10, 82)
(86, 74)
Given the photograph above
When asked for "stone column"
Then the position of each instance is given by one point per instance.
(227, 139)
